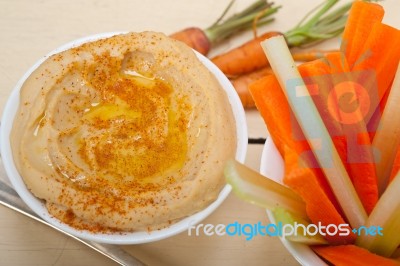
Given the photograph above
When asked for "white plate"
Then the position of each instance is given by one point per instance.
(272, 165)
(125, 238)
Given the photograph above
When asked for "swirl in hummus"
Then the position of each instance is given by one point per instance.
(123, 134)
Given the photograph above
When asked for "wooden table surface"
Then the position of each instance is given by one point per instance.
(30, 29)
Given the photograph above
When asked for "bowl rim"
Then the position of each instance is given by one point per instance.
(272, 166)
(10, 111)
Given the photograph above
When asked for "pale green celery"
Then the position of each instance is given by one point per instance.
(285, 217)
(313, 127)
(387, 137)
(264, 192)
(386, 214)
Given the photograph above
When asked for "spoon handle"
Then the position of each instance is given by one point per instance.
(9, 198)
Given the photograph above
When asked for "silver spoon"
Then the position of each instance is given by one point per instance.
(9, 198)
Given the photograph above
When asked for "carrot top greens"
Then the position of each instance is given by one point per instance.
(261, 10)
(319, 24)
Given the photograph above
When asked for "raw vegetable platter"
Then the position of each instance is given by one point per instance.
(335, 122)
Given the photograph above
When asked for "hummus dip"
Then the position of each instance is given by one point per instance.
(126, 133)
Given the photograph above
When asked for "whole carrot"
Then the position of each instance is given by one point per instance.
(203, 40)
(319, 27)
(195, 38)
(236, 61)
(242, 82)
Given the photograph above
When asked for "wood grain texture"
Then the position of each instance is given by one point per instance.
(31, 29)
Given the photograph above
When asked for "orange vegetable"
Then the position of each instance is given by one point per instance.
(250, 56)
(310, 55)
(382, 46)
(360, 161)
(346, 255)
(373, 123)
(319, 208)
(316, 75)
(370, 49)
(242, 83)
(362, 171)
(245, 58)
(275, 110)
(360, 165)
(310, 183)
(203, 40)
(195, 38)
(396, 165)
(362, 16)
(316, 26)
(283, 128)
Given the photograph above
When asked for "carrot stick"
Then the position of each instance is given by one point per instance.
(316, 75)
(310, 55)
(285, 132)
(362, 172)
(373, 122)
(314, 129)
(352, 255)
(242, 83)
(318, 206)
(362, 16)
(274, 109)
(396, 166)
(382, 46)
(245, 58)
(360, 160)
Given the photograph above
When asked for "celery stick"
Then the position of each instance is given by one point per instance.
(313, 127)
(264, 192)
(387, 137)
(386, 214)
(285, 217)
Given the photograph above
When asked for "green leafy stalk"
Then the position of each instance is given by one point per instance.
(319, 25)
(222, 29)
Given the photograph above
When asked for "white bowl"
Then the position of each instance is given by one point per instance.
(125, 238)
(272, 165)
